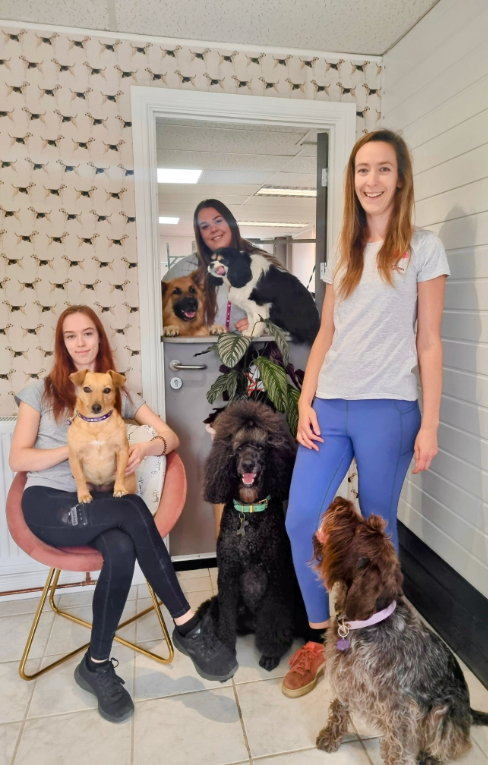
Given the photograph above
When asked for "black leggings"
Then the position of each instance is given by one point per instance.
(123, 530)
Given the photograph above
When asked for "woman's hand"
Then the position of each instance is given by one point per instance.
(308, 427)
(242, 325)
(425, 448)
(137, 452)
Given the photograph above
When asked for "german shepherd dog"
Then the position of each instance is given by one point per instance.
(184, 307)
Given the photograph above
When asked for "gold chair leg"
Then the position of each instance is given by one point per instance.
(53, 575)
(50, 587)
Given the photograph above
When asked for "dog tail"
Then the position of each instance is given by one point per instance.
(479, 718)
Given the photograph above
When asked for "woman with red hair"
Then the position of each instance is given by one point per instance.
(121, 529)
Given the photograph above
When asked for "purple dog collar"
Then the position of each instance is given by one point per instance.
(345, 627)
(89, 419)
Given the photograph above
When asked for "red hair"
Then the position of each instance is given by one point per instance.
(59, 391)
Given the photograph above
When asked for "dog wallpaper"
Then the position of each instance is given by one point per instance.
(67, 208)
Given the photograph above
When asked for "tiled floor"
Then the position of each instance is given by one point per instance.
(180, 719)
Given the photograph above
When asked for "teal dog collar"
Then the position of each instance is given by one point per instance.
(257, 507)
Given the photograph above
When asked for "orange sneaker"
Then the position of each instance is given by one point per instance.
(306, 665)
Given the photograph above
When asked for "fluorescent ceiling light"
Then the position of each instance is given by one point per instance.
(162, 219)
(170, 175)
(262, 223)
(285, 191)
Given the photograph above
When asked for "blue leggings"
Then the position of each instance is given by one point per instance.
(380, 434)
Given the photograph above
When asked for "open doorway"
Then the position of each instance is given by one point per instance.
(247, 151)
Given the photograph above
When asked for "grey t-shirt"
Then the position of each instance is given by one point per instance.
(373, 351)
(51, 435)
(184, 267)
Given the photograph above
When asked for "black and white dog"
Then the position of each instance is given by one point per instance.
(265, 291)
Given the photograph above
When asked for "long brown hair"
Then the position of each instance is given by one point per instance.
(205, 253)
(59, 391)
(354, 225)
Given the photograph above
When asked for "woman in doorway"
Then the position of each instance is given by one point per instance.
(121, 529)
(359, 395)
(216, 227)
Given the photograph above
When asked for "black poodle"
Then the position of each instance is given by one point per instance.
(249, 468)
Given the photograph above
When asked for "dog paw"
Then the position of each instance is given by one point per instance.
(120, 491)
(84, 498)
(170, 331)
(217, 329)
(268, 662)
(327, 741)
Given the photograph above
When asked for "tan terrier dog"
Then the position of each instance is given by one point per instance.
(97, 438)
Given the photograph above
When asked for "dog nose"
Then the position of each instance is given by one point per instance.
(248, 466)
(96, 408)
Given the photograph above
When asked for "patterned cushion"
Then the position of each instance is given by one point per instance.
(150, 473)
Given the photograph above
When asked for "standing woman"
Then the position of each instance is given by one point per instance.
(121, 529)
(359, 395)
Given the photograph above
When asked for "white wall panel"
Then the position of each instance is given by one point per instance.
(436, 93)
(459, 139)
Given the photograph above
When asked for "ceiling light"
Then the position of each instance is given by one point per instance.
(170, 175)
(168, 220)
(285, 191)
(263, 224)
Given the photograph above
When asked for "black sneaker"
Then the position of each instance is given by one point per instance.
(114, 702)
(212, 660)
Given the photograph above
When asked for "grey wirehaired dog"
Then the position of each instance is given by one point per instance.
(396, 672)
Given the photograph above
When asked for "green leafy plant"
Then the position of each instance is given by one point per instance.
(260, 373)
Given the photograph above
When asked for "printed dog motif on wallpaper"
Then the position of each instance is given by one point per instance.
(67, 208)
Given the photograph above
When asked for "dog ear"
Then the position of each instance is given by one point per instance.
(362, 595)
(199, 277)
(78, 377)
(221, 477)
(278, 475)
(118, 379)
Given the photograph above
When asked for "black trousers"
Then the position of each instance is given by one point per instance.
(123, 530)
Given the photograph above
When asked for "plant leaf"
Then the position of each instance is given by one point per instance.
(232, 384)
(207, 350)
(292, 409)
(217, 388)
(280, 340)
(231, 347)
(274, 380)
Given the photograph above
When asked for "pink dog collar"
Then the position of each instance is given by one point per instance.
(345, 627)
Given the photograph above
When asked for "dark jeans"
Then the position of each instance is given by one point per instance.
(123, 530)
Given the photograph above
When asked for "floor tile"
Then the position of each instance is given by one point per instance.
(474, 756)
(194, 574)
(248, 657)
(199, 728)
(14, 631)
(350, 753)
(155, 680)
(15, 692)
(77, 738)
(479, 700)
(195, 599)
(56, 692)
(196, 585)
(147, 627)
(23, 606)
(275, 723)
(67, 635)
(8, 738)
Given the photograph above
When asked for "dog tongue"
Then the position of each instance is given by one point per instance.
(248, 477)
(190, 314)
(221, 271)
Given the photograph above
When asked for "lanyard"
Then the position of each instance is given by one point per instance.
(227, 318)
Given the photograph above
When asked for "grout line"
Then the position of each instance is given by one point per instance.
(241, 718)
(22, 727)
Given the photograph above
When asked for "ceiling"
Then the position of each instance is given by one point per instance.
(237, 160)
(343, 26)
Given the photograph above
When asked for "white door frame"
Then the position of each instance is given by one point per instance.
(339, 119)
